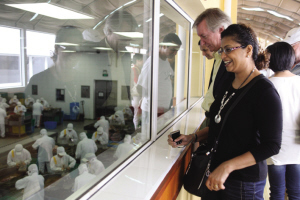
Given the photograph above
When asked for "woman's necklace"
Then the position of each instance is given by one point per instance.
(218, 116)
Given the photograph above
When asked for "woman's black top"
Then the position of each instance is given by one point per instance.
(255, 125)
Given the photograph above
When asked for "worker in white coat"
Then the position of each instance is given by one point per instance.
(45, 103)
(84, 177)
(2, 122)
(45, 146)
(117, 118)
(100, 136)
(18, 156)
(102, 122)
(124, 148)
(62, 161)
(85, 146)
(20, 109)
(14, 100)
(37, 110)
(3, 104)
(68, 136)
(95, 166)
(29, 101)
(33, 184)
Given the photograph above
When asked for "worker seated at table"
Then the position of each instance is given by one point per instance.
(18, 156)
(100, 137)
(33, 184)
(85, 146)
(14, 100)
(20, 109)
(95, 166)
(68, 136)
(62, 161)
(29, 101)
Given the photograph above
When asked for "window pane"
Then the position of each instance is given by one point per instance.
(173, 65)
(10, 68)
(87, 88)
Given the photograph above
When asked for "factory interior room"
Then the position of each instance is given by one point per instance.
(85, 111)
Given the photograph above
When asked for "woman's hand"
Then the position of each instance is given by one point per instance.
(186, 139)
(218, 177)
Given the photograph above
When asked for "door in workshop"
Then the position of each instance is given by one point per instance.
(105, 97)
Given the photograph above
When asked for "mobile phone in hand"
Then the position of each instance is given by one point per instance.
(176, 134)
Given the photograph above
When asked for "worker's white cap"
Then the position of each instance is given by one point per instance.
(100, 129)
(61, 151)
(15, 96)
(43, 132)
(89, 156)
(82, 168)
(18, 149)
(127, 138)
(70, 126)
(82, 135)
(19, 104)
(33, 168)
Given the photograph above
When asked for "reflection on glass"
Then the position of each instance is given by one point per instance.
(83, 115)
(173, 65)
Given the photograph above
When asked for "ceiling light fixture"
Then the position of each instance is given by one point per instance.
(50, 10)
(278, 37)
(130, 34)
(169, 44)
(247, 19)
(160, 15)
(103, 48)
(279, 15)
(253, 9)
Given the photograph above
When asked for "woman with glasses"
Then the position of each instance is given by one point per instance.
(284, 168)
(252, 131)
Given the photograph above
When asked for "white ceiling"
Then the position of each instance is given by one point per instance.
(266, 25)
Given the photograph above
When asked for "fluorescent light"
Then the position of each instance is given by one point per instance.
(279, 15)
(103, 48)
(67, 51)
(278, 37)
(143, 51)
(130, 34)
(168, 44)
(247, 19)
(66, 44)
(50, 10)
(134, 45)
(253, 9)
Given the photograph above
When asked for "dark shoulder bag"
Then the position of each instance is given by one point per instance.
(199, 167)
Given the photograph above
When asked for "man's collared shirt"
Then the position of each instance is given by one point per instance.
(209, 97)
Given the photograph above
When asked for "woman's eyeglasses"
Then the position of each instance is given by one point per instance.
(227, 50)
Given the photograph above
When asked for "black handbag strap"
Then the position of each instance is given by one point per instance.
(254, 80)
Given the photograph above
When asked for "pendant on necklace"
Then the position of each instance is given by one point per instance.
(217, 119)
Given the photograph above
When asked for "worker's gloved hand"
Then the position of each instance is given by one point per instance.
(13, 164)
(68, 168)
(18, 164)
(22, 163)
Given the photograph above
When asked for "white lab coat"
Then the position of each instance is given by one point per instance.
(37, 108)
(4, 105)
(102, 123)
(69, 135)
(13, 101)
(13, 158)
(82, 180)
(102, 138)
(95, 166)
(2, 116)
(33, 187)
(85, 146)
(123, 150)
(57, 163)
(28, 101)
(45, 145)
(18, 110)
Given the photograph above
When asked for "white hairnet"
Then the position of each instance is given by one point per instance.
(15, 96)
(19, 103)
(82, 168)
(82, 135)
(102, 117)
(32, 169)
(89, 156)
(38, 101)
(61, 151)
(43, 132)
(18, 147)
(70, 126)
(100, 129)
